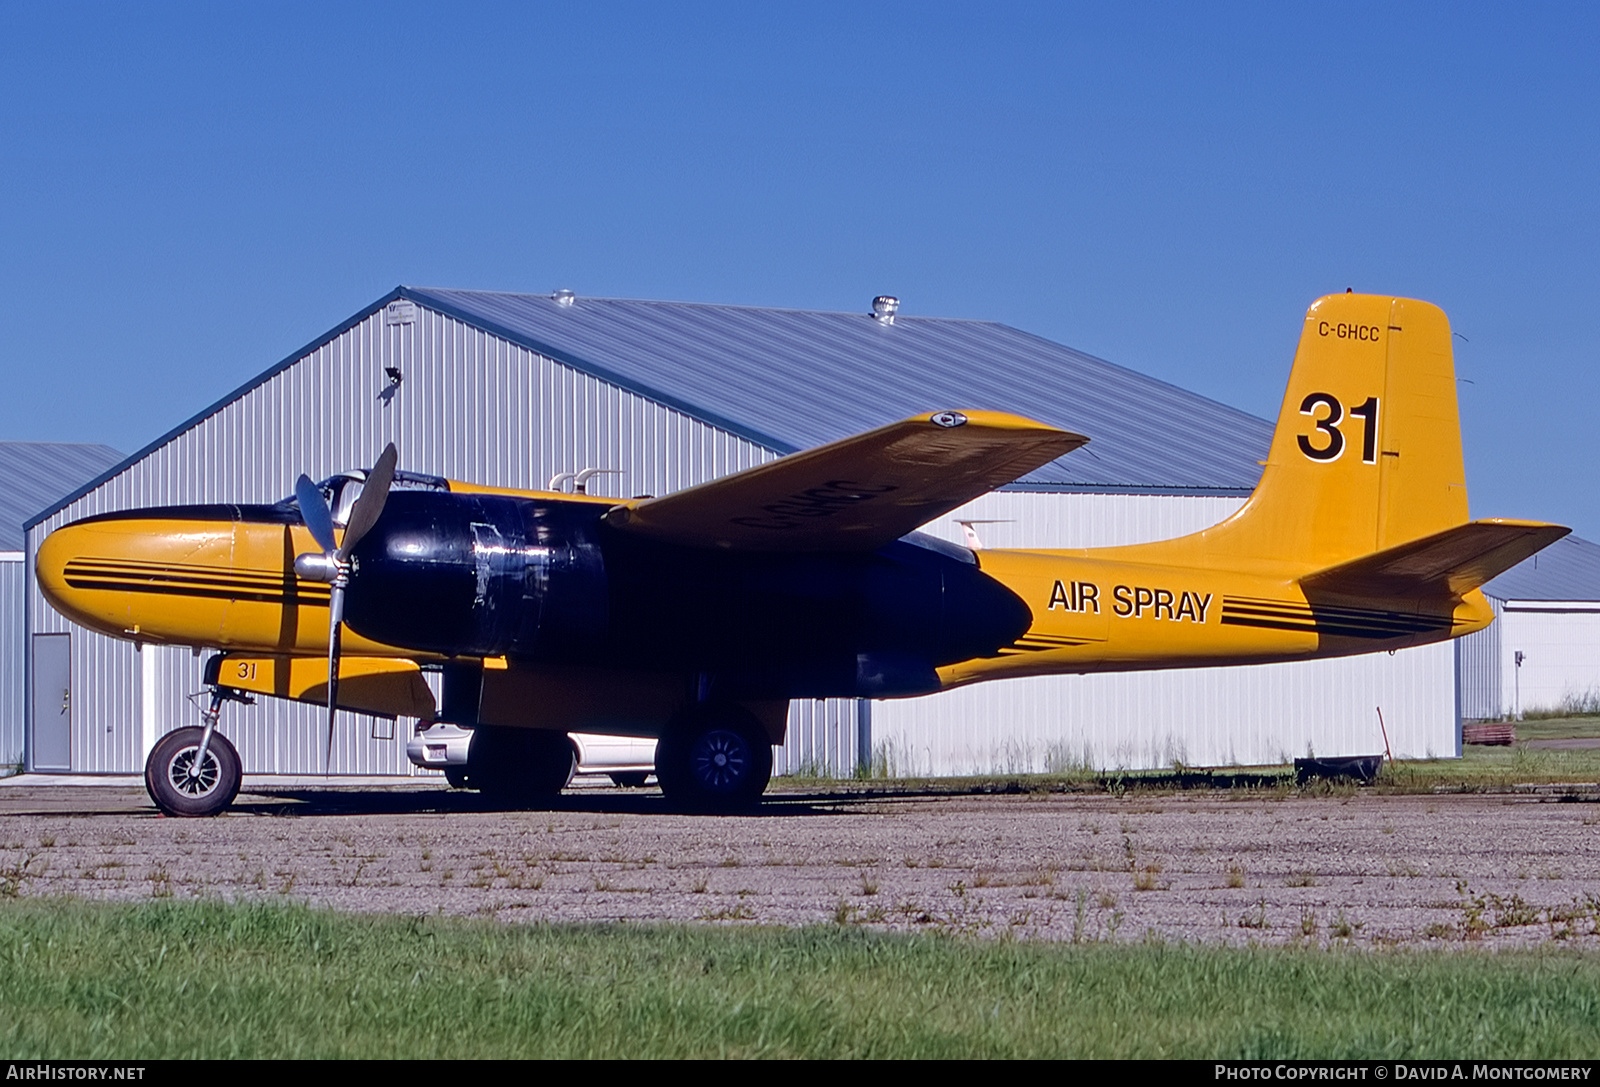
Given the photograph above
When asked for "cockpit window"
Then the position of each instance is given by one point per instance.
(342, 490)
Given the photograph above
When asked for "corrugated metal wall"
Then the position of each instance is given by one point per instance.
(822, 739)
(1202, 717)
(1054, 519)
(1481, 695)
(1560, 646)
(13, 638)
(469, 406)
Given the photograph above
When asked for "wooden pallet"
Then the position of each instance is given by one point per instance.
(1490, 733)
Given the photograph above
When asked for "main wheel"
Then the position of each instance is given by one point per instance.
(181, 787)
(457, 777)
(520, 766)
(714, 758)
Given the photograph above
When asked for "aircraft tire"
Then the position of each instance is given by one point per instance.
(714, 758)
(175, 790)
(457, 777)
(523, 767)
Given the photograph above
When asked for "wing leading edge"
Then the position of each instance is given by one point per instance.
(856, 494)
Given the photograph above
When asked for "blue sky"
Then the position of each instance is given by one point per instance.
(188, 193)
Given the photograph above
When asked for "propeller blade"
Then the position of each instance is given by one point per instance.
(335, 628)
(369, 506)
(314, 511)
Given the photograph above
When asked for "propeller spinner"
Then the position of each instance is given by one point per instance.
(332, 564)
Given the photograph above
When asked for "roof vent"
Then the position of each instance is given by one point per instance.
(884, 307)
(565, 296)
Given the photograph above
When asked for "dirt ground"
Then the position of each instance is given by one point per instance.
(1215, 868)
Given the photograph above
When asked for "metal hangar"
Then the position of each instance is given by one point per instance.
(33, 475)
(1542, 652)
(639, 397)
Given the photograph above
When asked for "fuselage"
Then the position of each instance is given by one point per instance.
(538, 578)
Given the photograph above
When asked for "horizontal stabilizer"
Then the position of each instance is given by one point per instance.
(855, 494)
(1456, 560)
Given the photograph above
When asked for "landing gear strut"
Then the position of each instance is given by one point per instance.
(195, 771)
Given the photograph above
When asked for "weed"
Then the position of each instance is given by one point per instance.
(1235, 876)
(1301, 879)
(1342, 927)
(160, 883)
(699, 886)
(869, 886)
(1308, 922)
(1257, 918)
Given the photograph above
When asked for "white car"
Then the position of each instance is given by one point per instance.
(627, 760)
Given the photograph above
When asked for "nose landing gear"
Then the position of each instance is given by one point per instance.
(195, 771)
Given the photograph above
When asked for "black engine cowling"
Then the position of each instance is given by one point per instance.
(480, 575)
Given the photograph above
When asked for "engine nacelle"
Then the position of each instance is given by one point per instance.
(480, 575)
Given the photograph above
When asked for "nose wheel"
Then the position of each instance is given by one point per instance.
(195, 771)
(185, 780)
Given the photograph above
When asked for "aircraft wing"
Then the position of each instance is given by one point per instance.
(855, 494)
(1458, 559)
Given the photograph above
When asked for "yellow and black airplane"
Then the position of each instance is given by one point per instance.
(697, 616)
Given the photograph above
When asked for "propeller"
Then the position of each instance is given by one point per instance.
(333, 563)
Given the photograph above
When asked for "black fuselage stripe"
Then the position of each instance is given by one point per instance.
(204, 592)
(1337, 629)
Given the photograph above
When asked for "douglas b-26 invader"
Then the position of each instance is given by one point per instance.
(695, 617)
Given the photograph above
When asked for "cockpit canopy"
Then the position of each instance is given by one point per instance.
(342, 490)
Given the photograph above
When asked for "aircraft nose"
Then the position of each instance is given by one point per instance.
(145, 575)
(71, 566)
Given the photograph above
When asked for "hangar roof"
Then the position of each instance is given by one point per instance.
(36, 474)
(1568, 569)
(792, 379)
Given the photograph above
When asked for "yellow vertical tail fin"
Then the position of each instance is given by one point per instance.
(1367, 451)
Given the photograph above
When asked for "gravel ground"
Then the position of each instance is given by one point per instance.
(1214, 868)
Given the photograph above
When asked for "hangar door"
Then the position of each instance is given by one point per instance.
(52, 702)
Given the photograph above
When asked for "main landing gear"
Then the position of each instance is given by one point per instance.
(714, 757)
(195, 771)
(521, 767)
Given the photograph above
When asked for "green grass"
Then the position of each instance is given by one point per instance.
(1554, 727)
(173, 979)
